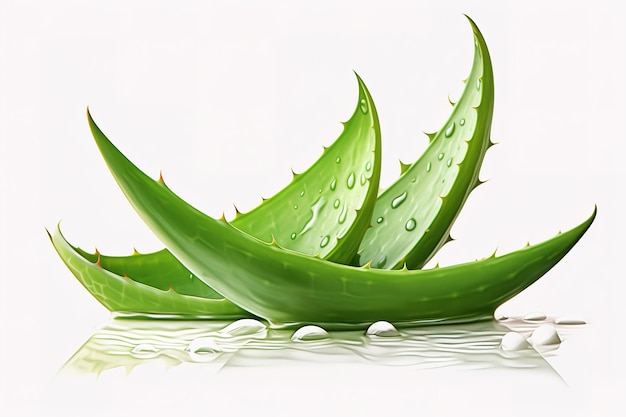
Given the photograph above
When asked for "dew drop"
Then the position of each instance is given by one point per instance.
(410, 225)
(351, 180)
(336, 203)
(462, 122)
(382, 329)
(478, 83)
(449, 163)
(363, 105)
(295, 206)
(368, 166)
(428, 167)
(333, 184)
(338, 159)
(450, 130)
(343, 214)
(324, 241)
(363, 179)
(399, 200)
(440, 156)
(293, 236)
(379, 220)
(302, 193)
(309, 333)
(316, 208)
(381, 262)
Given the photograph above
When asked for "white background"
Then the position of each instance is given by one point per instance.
(225, 99)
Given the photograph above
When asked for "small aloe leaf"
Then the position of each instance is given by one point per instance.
(413, 217)
(325, 210)
(157, 269)
(288, 288)
(120, 293)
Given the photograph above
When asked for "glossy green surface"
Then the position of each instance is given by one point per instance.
(412, 218)
(288, 288)
(323, 212)
(148, 292)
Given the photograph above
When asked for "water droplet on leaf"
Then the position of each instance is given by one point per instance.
(343, 214)
(450, 130)
(351, 180)
(398, 200)
(363, 105)
(410, 225)
(324, 241)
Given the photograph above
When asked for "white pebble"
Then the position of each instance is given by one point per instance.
(544, 335)
(536, 316)
(513, 341)
(243, 327)
(309, 333)
(382, 328)
(569, 320)
(203, 345)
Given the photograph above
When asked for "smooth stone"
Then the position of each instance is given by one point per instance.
(536, 316)
(243, 327)
(544, 335)
(382, 328)
(569, 320)
(309, 333)
(203, 345)
(513, 341)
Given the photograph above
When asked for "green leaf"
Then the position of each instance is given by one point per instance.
(144, 292)
(413, 217)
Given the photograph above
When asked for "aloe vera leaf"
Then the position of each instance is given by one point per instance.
(157, 269)
(288, 288)
(325, 210)
(413, 217)
(305, 216)
(119, 293)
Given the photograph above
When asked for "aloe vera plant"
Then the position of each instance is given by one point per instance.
(289, 288)
(278, 279)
